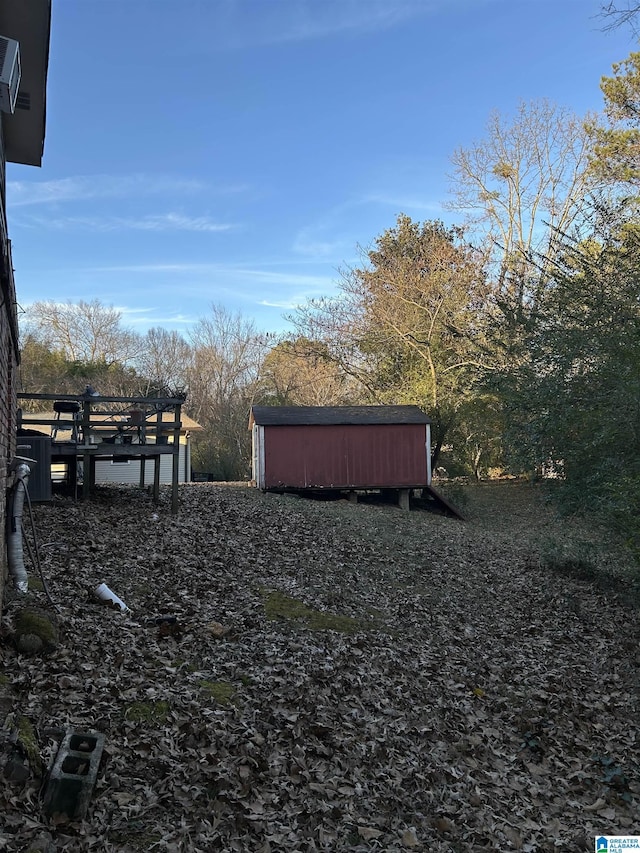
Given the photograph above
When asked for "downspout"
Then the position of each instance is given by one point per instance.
(15, 553)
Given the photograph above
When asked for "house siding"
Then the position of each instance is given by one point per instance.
(345, 456)
(129, 473)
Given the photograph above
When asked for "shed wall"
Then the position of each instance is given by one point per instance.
(346, 456)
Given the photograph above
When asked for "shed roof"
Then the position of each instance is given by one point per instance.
(333, 415)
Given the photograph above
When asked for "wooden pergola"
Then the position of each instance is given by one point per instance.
(108, 427)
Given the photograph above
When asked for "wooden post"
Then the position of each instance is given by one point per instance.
(156, 478)
(87, 472)
(72, 475)
(176, 459)
(403, 498)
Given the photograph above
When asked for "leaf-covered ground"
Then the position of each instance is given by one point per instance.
(340, 677)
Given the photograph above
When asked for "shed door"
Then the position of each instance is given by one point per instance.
(257, 455)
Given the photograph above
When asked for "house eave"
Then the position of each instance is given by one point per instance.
(29, 22)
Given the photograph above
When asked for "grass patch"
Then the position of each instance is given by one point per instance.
(278, 606)
(576, 559)
(585, 561)
(30, 622)
(36, 584)
(29, 742)
(139, 840)
(455, 493)
(221, 691)
(147, 712)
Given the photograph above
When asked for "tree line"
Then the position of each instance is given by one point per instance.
(517, 330)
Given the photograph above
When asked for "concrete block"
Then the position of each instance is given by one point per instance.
(73, 775)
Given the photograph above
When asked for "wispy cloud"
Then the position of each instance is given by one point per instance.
(402, 203)
(174, 222)
(315, 20)
(151, 316)
(225, 272)
(84, 187)
(333, 236)
(309, 282)
(285, 304)
(156, 222)
(330, 236)
(310, 241)
(144, 317)
(305, 20)
(188, 289)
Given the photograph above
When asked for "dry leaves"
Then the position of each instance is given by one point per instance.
(476, 708)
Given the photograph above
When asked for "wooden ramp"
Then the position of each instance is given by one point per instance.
(442, 502)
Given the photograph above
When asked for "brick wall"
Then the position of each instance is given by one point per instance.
(7, 422)
(8, 380)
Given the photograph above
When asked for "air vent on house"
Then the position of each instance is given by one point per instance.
(10, 73)
(23, 101)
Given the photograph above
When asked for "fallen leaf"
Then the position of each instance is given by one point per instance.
(216, 629)
(368, 832)
(409, 837)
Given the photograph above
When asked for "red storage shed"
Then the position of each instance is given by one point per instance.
(341, 447)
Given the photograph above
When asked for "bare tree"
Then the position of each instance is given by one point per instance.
(87, 332)
(164, 360)
(621, 13)
(223, 381)
(523, 185)
(333, 328)
(301, 372)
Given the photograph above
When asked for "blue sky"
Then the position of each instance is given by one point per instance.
(238, 151)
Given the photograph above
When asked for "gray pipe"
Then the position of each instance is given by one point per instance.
(15, 553)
